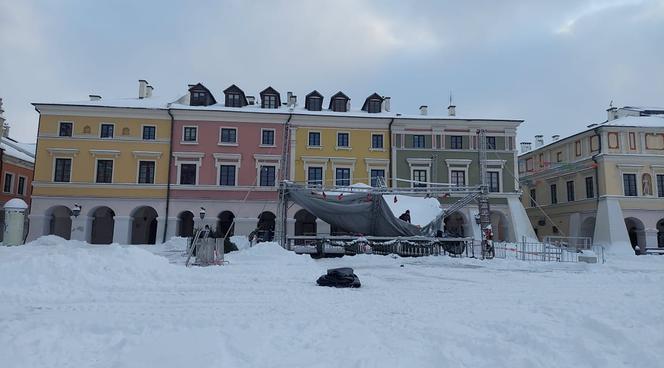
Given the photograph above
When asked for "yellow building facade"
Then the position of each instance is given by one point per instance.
(88, 155)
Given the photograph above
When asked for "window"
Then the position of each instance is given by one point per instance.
(491, 143)
(533, 197)
(21, 186)
(419, 178)
(493, 180)
(554, 194)
(188, 174)
(146, 172)
(456, 142)
(590, 189)
(267, 178)
(9, 183)
(267, 137)
(233, 100)
(570, 191)
(418, 141)
(104, 171)
(377, 141)
(149, 133)
(374, 106)
(269, 102)
(198, 98)
(629, 182)
(559, 157)
(228, 135)
(190, 134)
(315, 103)
(106, 131)
(660, 185)
(458, 178)
(342, 177)
(377, 175)
(314, 139)
(66, 129)
(315, 176)
(339, 105)
(62, 172)
(227, 175)
(342, 139)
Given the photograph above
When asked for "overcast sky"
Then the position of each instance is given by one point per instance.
(556, 64)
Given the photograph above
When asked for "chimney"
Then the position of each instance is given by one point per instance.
(555, 137)
(424, 110)
(451, 110)
(525, 146)
(386, 103)
(94, 97)
(612, 113)
(142, 88)
(539, 141)
(292, 100)
(148, 91)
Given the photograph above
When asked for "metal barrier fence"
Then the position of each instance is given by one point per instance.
(573, 242)
(544, 252)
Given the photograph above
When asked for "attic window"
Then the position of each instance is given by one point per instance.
(314, 103)
(374, 106)
(198, 99)
(339, 104)
(269, 102)
(233, 100)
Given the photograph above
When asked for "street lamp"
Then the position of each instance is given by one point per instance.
(77, 209)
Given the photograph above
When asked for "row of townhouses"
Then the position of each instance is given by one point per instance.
(605, 182)
(141, 170)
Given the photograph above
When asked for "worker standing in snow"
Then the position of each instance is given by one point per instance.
(405, 216)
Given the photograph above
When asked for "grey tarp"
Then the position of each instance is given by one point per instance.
(359, 213)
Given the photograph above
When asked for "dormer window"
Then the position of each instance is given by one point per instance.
(200, 96)
(235, 97)
(270, 98)
(339, 102)
(314, 101)
(373, 104)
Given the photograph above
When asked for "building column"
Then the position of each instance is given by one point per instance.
(574, 225)
(519, 221)
(472, 228)
(160, 230)
(651, 238)
(38, 226)
(172, 228)
(610, 229)
(121, 229)
(322, 227)
(290, 226)
(79, 227)
(244, 226)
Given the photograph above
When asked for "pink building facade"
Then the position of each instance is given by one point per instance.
(227, 163)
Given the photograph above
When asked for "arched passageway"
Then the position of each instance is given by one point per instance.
(305, 223)
(587, 228)
(144, 225)
(500, 226)
(266, 226)
(59, 221)
(636, 233)
(225, 225)
(454, 224)
(103, 222)
(185, 224)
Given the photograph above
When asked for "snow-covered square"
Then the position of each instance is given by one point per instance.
(71, 304)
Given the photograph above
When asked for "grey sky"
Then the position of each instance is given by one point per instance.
(556, 64)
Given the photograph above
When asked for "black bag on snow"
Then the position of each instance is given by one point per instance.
(339, 277)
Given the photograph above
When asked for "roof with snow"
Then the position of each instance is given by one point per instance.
(21, 151)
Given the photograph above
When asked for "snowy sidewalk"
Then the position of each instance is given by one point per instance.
(72, 304)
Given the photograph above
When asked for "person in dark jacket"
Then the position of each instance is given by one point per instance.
(405, 216)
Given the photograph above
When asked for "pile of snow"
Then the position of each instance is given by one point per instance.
(422, 210)
(241, 242)
(68, 303)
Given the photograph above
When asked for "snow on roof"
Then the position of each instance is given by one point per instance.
(175, 103)
(653, 121)
(22, 151)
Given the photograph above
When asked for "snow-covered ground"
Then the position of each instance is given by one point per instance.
(70, 304)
